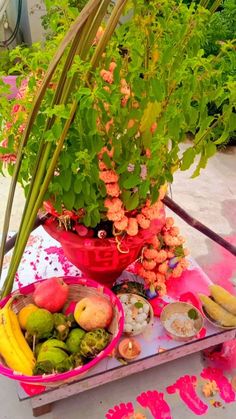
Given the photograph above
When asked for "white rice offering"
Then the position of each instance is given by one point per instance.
(180, 324)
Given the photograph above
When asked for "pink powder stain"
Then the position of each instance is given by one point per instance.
(223, 265)
(164, 337)
(32, 390)
(157, 304)
(193, 281)
(154, 401)
(226, 391)
(202, 333)
(34, 266)
(61, 257)
(186, 387)
(33, 240)
(226, 358)
(121, 411)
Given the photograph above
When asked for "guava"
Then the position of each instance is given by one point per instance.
(54, 355)
(54, 343)
(40, 323)
(74, 339)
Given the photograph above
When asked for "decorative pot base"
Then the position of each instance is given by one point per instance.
(100, 259)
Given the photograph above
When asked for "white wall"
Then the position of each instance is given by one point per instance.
(30, 24)
(31, 20)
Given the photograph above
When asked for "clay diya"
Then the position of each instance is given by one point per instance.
(129, 349)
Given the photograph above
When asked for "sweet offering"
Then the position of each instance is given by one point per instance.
(138, 313)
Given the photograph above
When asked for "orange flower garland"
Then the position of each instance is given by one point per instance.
(162, 257)
(116, 212)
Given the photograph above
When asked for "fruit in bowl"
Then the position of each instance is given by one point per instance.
(51, 294)
(40, 323)
(94, 342)
(49, 344)
(93, 312)
(74, 340)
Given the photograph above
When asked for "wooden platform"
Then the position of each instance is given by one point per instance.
(110, 369)
(43, 258)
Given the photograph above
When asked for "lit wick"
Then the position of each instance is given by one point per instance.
(129, 348)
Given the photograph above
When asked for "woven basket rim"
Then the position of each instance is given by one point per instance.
(53, 378)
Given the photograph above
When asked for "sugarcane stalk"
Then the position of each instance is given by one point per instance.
(40, 181)
(78, 24)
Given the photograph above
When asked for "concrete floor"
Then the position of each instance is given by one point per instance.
(212, 199)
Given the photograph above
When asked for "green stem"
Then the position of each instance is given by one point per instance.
(87, 37)
(208, 130)
(89, 8)
(215, 6)
(111, 25)
(7, 287)
(39, 186)
(44, 149)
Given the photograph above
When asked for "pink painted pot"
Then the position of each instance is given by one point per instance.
(100, 259)
(79, 287)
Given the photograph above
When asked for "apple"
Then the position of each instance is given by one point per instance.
(51, 294)
(93, 312)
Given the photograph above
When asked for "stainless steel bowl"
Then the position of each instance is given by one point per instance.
(181, 308)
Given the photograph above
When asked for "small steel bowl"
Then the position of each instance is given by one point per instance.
(150, 314)
(214, 322)
(181, 308)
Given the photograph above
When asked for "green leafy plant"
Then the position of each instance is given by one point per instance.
(104, 129)
(222, 27)
(58, 17)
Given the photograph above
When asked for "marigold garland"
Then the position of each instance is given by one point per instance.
(163, 256)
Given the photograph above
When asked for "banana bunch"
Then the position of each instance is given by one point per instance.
(13, 346)
(222, 308)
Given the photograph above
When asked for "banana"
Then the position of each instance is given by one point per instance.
(15, 356)
(224, 298)
(20, 338)
(6, 349)
(217, 313)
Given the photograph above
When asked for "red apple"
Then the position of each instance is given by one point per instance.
(51, 294)
(93, 312)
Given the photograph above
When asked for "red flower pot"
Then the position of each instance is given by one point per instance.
(100, 259)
